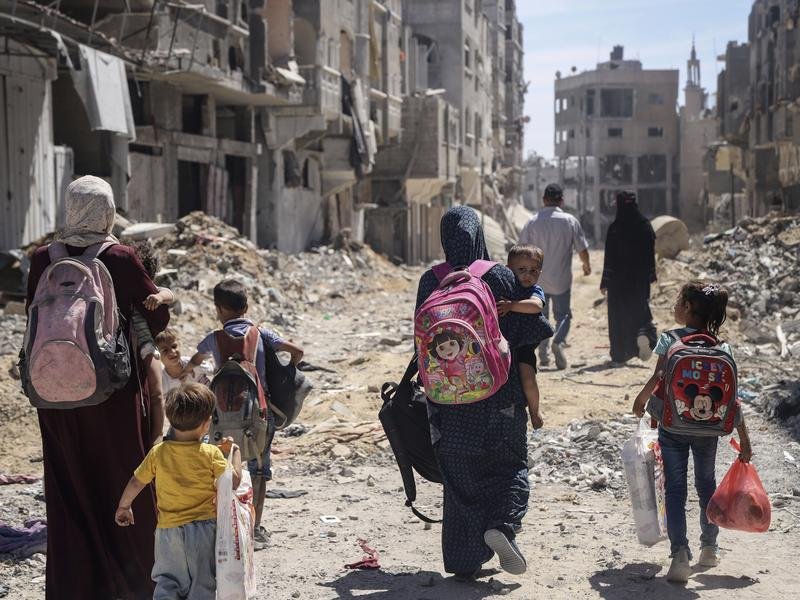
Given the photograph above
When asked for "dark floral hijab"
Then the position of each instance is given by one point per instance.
(462, 237)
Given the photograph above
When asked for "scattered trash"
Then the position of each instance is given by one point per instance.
(370, 561)
(25, 541)
(330, 519)
(8, 479)
(285, 494)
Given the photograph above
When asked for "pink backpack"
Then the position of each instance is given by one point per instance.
(75, 352)
(462, 355)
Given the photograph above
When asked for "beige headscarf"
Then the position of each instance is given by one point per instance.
(90, 213)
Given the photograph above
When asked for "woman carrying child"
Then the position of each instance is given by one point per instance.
(699, 308)
(481, 448)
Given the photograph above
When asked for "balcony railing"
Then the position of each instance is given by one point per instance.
(323, 90)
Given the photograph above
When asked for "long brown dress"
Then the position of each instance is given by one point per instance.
(89, 455)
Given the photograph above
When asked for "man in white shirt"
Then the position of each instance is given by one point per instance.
(558, 234)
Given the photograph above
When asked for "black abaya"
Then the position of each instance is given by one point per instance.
(628, 270)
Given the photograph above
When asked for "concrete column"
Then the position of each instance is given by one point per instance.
(670, 199)
(251, 200)
(120, 169)
(595, 201)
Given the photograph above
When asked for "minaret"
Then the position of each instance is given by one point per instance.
(695, 95)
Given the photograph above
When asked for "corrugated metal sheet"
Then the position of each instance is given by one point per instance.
(27, 191)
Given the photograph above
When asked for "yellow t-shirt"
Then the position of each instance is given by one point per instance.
(185, 474)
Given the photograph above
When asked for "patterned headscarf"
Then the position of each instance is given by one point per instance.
(90, 213)
(462, 237)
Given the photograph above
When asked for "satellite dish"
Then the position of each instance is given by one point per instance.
(574, 69)
(558, 74)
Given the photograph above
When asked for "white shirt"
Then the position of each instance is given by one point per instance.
(200, 374)
(557, 233)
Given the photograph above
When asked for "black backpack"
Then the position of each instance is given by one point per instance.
(288, 388)
(404, 416)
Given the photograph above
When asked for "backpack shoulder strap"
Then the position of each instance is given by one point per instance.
(57, 251)
(227, 345)
(95, 250)
(479, 268)
(250, 346)
(411, 370)
(441, 270)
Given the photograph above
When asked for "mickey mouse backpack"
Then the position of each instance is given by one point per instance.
(698, 393)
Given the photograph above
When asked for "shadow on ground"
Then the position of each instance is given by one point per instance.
(423, 585)
(638, 580)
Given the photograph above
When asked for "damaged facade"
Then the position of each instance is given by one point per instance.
(618, 126)
(754, 166)
(296, 121)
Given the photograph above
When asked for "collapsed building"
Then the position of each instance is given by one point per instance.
(754, 166)
(295, 121)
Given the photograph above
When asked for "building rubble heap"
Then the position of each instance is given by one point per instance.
(758, 260)
(585, 455)
(203, 251)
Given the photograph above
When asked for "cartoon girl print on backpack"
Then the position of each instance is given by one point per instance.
(447, 348)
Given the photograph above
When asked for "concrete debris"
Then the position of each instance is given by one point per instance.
(672, 236)
(758, 262)
(585, 455)
(147, 231)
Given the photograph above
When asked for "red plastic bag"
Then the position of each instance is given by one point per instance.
(740, 501)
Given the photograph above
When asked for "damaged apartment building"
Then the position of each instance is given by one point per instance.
(754, 167)
(296, 121)
(160, 98)
(455, 119)
(620, 123)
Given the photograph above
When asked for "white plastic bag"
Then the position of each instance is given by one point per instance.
(236, 575)
(644, 472)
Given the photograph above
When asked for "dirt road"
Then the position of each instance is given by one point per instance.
(579, 543)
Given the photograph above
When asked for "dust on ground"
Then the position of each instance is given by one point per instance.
(578, 534)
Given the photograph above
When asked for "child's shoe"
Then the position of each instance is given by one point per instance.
(680, 569)
(709, 556)
(645, 351)
(511, 559)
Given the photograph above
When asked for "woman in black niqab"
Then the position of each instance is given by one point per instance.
(628, 270)
(481, 448)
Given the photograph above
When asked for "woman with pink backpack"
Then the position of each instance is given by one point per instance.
(94, 414)
(479, 437)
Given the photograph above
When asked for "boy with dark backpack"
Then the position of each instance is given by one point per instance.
(692, 394)
(239, 384)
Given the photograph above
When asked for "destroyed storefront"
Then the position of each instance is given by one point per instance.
(413, 182)
(169, 118)
(66, 108)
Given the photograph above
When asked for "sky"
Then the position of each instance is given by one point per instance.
(560, 34)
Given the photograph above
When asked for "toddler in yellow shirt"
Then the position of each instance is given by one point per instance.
(185, 471)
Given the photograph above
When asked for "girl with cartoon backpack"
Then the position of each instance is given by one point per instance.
(692, 394)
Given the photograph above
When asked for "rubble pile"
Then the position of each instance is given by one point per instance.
(585, 455)
(759, 262)
(202, 250)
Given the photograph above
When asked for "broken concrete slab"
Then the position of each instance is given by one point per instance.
(148, 231)
(672, 236)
